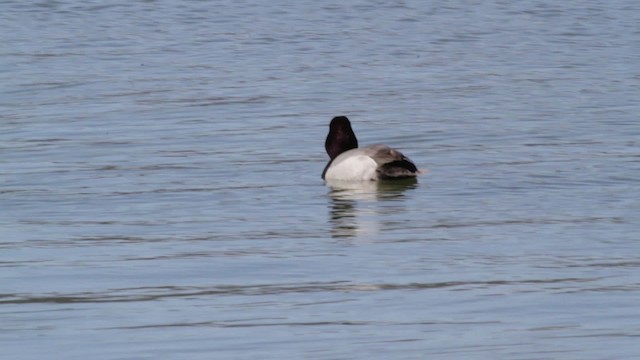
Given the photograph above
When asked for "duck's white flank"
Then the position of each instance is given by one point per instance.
(352, 165)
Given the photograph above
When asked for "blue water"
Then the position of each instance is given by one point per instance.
(160, 190)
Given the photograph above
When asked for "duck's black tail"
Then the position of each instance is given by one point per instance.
(398, 169)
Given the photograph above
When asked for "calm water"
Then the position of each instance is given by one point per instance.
(160, 188)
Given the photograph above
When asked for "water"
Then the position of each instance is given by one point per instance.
(160, 187)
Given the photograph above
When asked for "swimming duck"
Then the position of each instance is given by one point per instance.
(369, 163)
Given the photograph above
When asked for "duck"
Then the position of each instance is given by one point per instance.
(348, 162)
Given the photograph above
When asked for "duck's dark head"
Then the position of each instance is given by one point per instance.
(341, 137)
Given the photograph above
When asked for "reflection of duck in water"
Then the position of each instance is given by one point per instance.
(369, 190)
(355, 209)
(373, 162)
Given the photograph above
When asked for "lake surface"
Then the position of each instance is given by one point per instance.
(160, 190)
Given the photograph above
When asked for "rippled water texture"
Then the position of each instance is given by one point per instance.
(160, 190)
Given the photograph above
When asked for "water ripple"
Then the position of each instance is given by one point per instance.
(156, 293)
